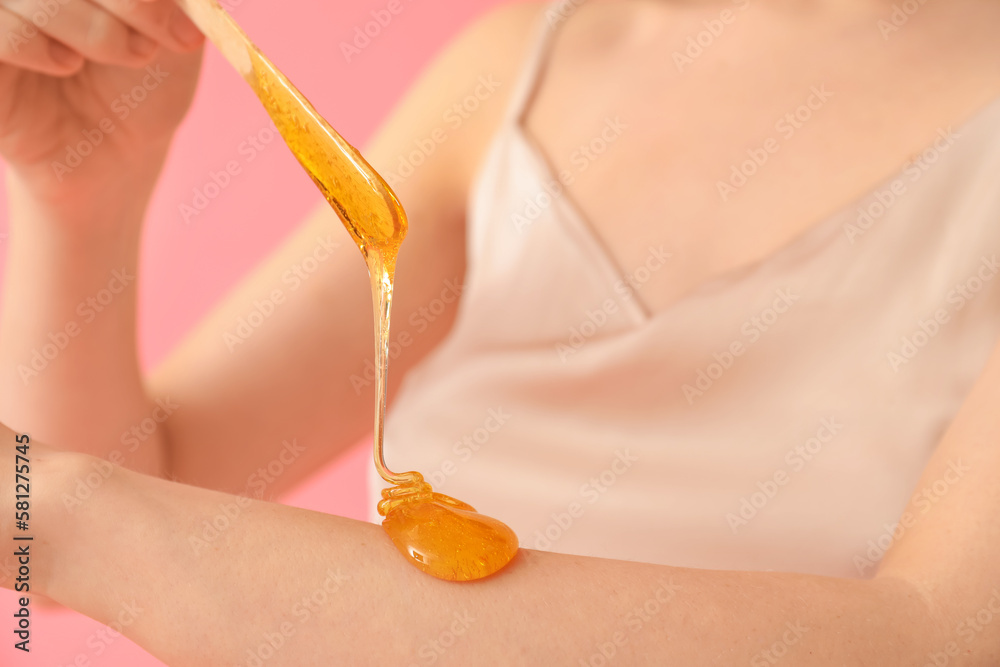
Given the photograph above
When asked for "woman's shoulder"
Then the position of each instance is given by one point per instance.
(586, 28)
(501, 32)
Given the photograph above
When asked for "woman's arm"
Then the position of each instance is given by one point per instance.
(200, 578)
(80, 174)
(69, 368)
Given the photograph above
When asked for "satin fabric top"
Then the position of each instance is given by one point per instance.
(775, 418)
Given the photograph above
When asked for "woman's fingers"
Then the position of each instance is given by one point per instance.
(161, 20)
(111, 32)
(88, 29)
(22, 44)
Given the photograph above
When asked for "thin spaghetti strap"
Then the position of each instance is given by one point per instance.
(531, 71)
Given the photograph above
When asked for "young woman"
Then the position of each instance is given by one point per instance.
(702, 302)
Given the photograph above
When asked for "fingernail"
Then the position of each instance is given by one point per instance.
(64, 55)
(140, 45)
(184, 31)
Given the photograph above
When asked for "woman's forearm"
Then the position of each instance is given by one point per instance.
(199, 577)
(68, 361)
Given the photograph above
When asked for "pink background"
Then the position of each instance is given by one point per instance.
(187, 268)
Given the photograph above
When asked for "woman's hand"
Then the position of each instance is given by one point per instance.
(91, 91)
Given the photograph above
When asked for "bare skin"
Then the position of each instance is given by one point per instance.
(657, 185)
(369, 607)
